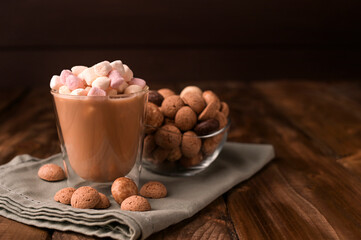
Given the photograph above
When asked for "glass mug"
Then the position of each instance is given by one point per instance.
(101, 137)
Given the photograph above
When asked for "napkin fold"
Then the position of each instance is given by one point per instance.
(25, 198)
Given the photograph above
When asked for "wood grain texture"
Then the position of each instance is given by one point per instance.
(210, 223)
(310, 191)
(10, 229)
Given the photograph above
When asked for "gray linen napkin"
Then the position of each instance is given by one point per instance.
(26, 198)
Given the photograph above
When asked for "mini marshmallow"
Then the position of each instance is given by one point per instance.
(79, 92)
(101, 82)
(102, 68)
(63, 75)
(122, 87)
(118, 65)
(128, 74)
(112, 92)
(64, 90)
(138, 81)
(133, 89)
(88, 75)
(78, 69)
(95, 91)
(115, 79)
(73, 82)
(55, 82)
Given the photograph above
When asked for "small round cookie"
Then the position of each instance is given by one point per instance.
(103, 203)
(221, 118)
(192, 89)
(168, 136)
(85, 198)
(195, 101)
(211, 144)
(122, 188)
(209, 112)
(64, 195)
(206, 127)
(171, 105)
(166, 92)
(175, 154)
(190, 162)
(148, 145)
(135, 203)
(225, 109)
(191, 144)
(153, 189)
(159, 155)
(210, 96)
(51, 172)
(155, 97)
(154, 117)
(185, 118)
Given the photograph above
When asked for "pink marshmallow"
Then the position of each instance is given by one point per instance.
(138, 81)
(115, 79)
(94, 91)
(64, 74)
(73, 82)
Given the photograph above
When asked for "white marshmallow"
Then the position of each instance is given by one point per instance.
(79, 92)
(64, 90)
(118, 65)
(102, 68)
(78, 69)
(133, 89)
(128, 74)
(101, 82)
(111, 92)
(122, 87)
(55, 82)
(88, 75)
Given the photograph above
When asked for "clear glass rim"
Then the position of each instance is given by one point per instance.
(123, 95)
(203, 136)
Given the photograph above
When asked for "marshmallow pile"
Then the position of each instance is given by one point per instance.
(102, 79)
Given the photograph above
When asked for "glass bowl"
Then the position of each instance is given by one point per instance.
(192, 155)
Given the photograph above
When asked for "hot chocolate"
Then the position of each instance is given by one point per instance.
(101, 134)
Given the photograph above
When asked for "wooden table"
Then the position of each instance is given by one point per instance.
(312, 190)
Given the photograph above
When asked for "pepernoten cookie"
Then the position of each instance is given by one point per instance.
(51, 172)
(191, 144)
(171, 105)
(153, 189)
(122, 188)
(135, 203)
(103, 203)
(64, 195)
(185, 118)
(85, 197)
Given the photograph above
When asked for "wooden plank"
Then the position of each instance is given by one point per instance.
(57, 235)
(210, 223)
(13, 230)
(188, 22)
(320, 113)
(29, 127)
(301, 186)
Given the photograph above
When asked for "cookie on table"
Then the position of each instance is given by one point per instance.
(103, 203)
(64, 195)
(51, 172)
(85, 198)
(153, 189)
(135, 203)
(122, 188)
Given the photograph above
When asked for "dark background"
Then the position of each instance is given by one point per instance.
(185, 40)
